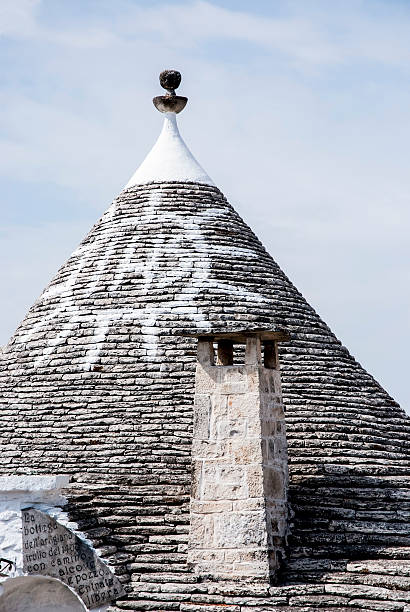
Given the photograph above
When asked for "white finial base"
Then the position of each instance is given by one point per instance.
(169, 160)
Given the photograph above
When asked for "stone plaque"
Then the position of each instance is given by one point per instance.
(50, 549)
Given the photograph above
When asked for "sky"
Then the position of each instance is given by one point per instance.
(298, 109)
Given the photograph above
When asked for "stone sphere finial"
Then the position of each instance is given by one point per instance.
(170, 80)
(170, 103)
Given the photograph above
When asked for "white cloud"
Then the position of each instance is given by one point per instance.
(186, 26)
(17, 17)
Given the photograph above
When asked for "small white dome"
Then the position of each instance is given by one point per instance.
(169, 160)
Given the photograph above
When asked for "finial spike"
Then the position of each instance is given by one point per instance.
(170, 103)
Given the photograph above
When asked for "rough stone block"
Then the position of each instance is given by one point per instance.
(225, 427)
(274, 483)
(205, 353)
(204, 382)
(202, 415)
(238, 530)
(243, 405)
(253, 351)
(254, 481)
(246, 451)
(222, 482)
(201, 531)
(203, 507)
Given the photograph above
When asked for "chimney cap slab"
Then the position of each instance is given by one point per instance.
(240, 336)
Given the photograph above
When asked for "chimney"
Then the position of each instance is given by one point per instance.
(240, 467)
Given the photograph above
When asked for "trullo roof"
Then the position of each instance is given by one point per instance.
(97, 382)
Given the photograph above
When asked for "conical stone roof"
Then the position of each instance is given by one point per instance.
(98, 382)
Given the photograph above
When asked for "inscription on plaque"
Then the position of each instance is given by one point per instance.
(50, 549)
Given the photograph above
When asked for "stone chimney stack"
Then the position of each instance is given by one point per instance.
(240, 466)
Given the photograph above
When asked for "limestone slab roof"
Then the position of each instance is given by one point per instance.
(98, 382)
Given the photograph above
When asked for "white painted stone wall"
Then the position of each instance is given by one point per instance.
(19, 492)
(240, 470)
